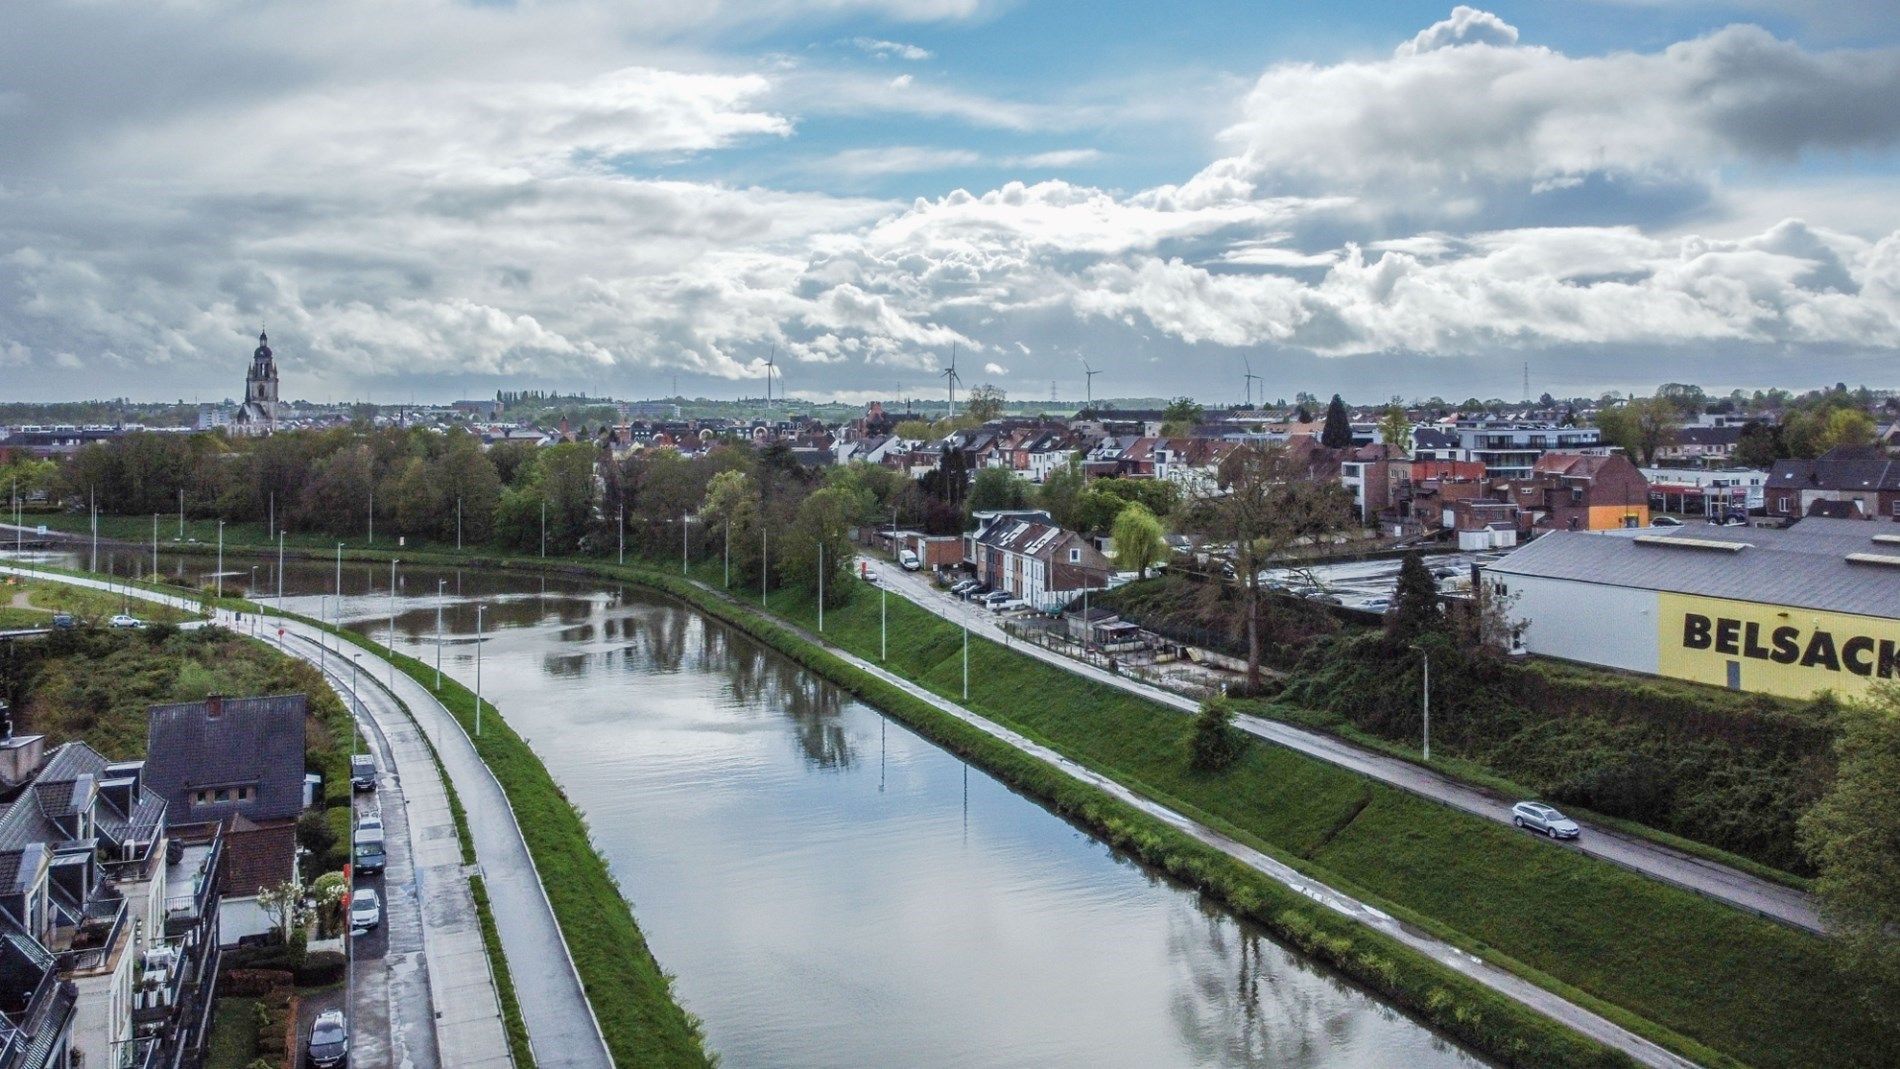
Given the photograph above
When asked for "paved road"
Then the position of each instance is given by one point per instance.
(1772, 900)
(561, 1026)
(1506, 983)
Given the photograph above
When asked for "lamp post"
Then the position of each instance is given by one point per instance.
(966, 657)
(1425, 700)
(622, 522)
(280, 590)
(154, 542)
(821, 586)
(458, 523)
(479, 609)
(392, 622)
(349, 938)
(220, 576)
(727, 547)
(372, 517)
(765, 560)
(544, 527)
(439, 584)
(250, 592)
(682, 543)
(93, 507)
(323, 624)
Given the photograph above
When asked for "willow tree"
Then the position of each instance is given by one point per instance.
(1264, 502)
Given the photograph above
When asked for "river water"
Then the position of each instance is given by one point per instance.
(829, 888)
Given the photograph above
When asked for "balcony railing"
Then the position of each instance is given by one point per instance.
(97, 934)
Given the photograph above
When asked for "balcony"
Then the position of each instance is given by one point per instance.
(92, 943)
(191, 885)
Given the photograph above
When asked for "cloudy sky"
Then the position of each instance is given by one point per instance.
(425, 198)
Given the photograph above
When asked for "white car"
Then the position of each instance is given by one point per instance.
(909, 560)
(369, 822)
(125, 620)
(366, 910)
(1538, 817)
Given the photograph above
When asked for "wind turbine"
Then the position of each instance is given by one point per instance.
(1089, 388)
(951, 378)
(770, 362)
(1251, 379)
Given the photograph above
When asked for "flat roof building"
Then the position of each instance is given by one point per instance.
(1793, 611)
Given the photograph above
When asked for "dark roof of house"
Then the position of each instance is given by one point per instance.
(1842, 468)
(1433, 438)
(1709, 435)
(1804, 566)
(250, 741)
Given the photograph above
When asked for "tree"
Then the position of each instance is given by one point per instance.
(731, 508)
(985, 404)
(1640, 427)
(1337, 434)
(1811, 434)
(1395, 430)
(1415, 610)
(824, 519)
(283, 905)
(338, 500)
(1853, 836)
(1140, 542)
(912, 430)
(1265, 501)
(1182, 416)
(1302, 415)
(1060, 490)
(1216, 742)
(998, 488)
(1759, 445)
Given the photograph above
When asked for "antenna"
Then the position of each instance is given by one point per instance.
(1090, 389)
(951, 378)
(1527, 381)
(1251, 379)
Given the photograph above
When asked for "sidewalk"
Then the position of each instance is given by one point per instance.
(1776, 902)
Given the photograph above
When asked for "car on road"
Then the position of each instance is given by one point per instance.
(127, 620)
(1539, 817)
(370, 822)
(362, 772)
(1008, 605)
(368, 853)
(1378, 605)
(977, 592)
(995, 598)
(873, 578)
(366, 910)
(909, 560)
(64, 621)
(1665, 521)
(962, 585)
(329, 1045)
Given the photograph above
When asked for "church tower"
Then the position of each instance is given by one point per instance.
(258, 414)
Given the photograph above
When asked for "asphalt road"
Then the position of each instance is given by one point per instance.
(1721, 882)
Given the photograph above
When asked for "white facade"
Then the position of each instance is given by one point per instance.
(1614, 626)
(241, 917)
(102, 1013)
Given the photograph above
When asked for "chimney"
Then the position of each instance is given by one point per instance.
(214, 706)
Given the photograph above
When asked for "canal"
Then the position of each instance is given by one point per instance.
(829, 888)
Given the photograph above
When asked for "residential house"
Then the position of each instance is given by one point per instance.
(1508, 449)
(1581, 492)
(237, 763)
(1712, 492)
(1481, 524)
(90, 888)
(1026, 554)
(1863, 480)
(1699, 445)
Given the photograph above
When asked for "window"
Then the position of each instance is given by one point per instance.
(1075, 556)
(1781, 504)
(1896, 508)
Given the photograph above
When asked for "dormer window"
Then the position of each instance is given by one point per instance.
(1075, 556)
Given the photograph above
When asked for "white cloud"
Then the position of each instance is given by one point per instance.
(890, 49)
(994, 368)
(1466, 26)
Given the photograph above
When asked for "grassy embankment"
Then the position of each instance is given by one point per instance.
(1718, 985)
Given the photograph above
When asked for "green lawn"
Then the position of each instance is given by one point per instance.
(233, 1034)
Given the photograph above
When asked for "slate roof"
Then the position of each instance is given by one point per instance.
(1843, 468)
(251, 741)
(1803, 566)
(1706, 436)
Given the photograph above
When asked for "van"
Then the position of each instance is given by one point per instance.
(908, 560)
(368, 854)
(363, 772)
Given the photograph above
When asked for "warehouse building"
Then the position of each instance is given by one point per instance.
(1793, 611)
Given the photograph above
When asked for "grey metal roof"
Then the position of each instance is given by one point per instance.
(252, 740)
(1804, 565)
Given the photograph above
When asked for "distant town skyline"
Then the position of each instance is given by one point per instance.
(1383, 198)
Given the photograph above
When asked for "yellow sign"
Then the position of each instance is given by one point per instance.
(1792, 652)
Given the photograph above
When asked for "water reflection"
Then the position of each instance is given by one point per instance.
(822, 912)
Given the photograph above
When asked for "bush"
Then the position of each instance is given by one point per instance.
(316, 833)
(1216, 742)
(321, 969)
(251, 983)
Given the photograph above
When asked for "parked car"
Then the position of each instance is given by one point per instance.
(873, 578)
(329, 1040)
(363, 772)
(960, 586)
(1444, 573)
(1008, 605)
(1542, 818)
(1378, 605)
(64, 621)
(366, 910)
(995, 597)
(370, 822)
(1664, 521)
(909, 560)
(977, 592)
(1326, 599)
(369, 856)
(126, 620)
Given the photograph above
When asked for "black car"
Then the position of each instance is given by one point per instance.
(64, 621)
(329, 1040)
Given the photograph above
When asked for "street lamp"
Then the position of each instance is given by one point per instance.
(220, 575)
(439, 584)
(1425, 699)
(280, 589)
(623, 534)
(251, 592)
(544, 527)
(765, 561)
(821, 586)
